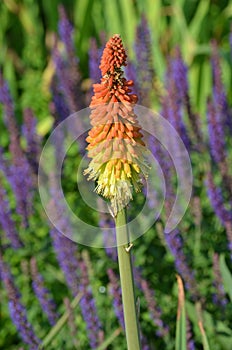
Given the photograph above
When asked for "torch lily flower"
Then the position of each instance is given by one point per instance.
(115, 142)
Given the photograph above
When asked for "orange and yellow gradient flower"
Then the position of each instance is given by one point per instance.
(115, 142)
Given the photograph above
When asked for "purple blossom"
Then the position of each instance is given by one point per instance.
(144, 67)
(59, 107)
(175, 245)
(65, 30)
(6, 100)
(190, 341)
(32, 138)
(66, 251)
(219, 298)
(174, 105)
(116, 293)
(88, 308)
(154, 310)
(4, 163)
(47, 303)
(219, 94)
(131, 74)
(94, 61)
(67, 72)
(22, 183)
(217, 201)
(6, 221)
(216, 134)
(179, 73)
(17, 310)
(19, 172)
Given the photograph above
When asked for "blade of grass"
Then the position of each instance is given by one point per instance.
(110, 339)
(112, 18)
(195, 24)
(60, 323)
(129, 19)
(226, 276)
(201, 327)
(181, 338)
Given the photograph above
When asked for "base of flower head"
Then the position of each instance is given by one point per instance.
(116, 180)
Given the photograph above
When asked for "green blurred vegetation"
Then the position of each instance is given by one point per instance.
(26, 35)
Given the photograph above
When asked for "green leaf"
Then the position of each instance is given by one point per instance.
(226, 276)
(201, 12)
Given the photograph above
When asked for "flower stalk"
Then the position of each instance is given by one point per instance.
(127, 283)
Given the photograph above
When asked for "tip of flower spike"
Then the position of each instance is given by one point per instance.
(114, 55)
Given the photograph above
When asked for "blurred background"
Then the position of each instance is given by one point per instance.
(179, 56)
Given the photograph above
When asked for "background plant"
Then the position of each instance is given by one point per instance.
(45, 77)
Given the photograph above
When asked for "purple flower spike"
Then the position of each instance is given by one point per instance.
(6, 221)
(19, 172)
(219, 298)
(179, 72)
(219, 94)
(145, 70)
(94, 61)
(66, 255)
(174, 104)
(22, 183)
(154, 310)
(47, 303)
(6, 100)
(65, 30)
(17, 310)
(116, 293)
(88, 308)
(216, 134)
(175, 244)
(190, 341)
(217, 202)
(32, 138)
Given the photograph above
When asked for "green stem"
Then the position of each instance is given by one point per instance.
(127, 283)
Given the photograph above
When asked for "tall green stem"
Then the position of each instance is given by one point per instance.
(127, 283)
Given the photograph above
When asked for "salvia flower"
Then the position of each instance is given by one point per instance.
(88, 308)
(216, 133)
(219, 297)
(144, 64)
(66, 250)
(180, 71)
(7, 102)
(219, 94)
(42, 293)
(217, 200)
(65, 30)
(189, 333)
(94, 58)
(17, 310)
(32, 138)
(174, 104)
(6, 221)
(115, 140)
(175, 244)
(116, 294)
(153, 308)
(19, 172)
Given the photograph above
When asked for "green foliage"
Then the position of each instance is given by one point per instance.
(26, 36)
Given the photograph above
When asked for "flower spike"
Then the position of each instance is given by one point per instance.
(115, 142)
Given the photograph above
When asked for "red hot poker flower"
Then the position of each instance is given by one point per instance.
(115, 140)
